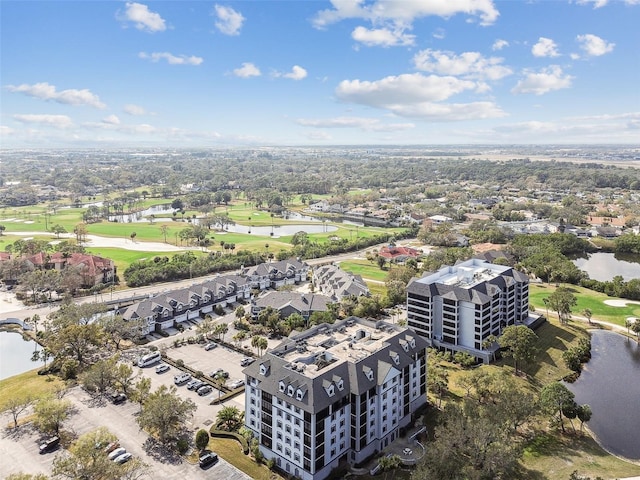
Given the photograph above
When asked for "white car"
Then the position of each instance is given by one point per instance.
(117, 452)
(125, 457)
(210, 346)
(181, 378)
(236, 384)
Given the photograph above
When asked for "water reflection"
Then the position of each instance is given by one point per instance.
(604, 266)
(610, 384)
(15, 354)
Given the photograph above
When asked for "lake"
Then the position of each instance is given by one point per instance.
(610, 384)
(604, 266)
(15, 354)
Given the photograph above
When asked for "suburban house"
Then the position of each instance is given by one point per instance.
(276, 274)
(337, 284)
(287, 303)
(399, 254)
(93, 269)
(335, 394)
(459, 307)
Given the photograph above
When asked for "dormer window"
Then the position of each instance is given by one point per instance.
(340, 384)
(264, 369)
(281, 386)
(404, 344)
(290, 390)
(412, 342)
(331, 391)
(369, 373)
(395, 357)
(300, 394)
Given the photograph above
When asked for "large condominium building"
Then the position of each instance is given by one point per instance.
(334, 394)
(458, 308)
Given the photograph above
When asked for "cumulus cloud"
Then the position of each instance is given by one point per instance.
(296, 73)
(44, 91)
(171, 59)
(143, 18)
(132, 109)
(594, 46)
(362, 123)
(467, 64)
(595, 3)
(499, 44)
(379, 12)
(545, 48)
(111, 120)
(247, 70)
(228, 21)
(56, 121)
(383, 37)
(546, 80)
(414, 95)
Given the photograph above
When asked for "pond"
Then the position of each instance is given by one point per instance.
(15, 354)
(604, 266)
(610, 384)
(164, 210)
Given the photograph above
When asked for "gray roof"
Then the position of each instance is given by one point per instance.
(301, 302)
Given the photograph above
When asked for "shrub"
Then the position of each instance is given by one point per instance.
(182, 446)
(180, 362)
(202, 439)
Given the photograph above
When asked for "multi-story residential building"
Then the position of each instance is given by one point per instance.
(288, 303)
(276, 274)
(458, 308)
(337, 284)
(334, 394)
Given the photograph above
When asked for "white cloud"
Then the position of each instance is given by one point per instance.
(111, 120)
(413, 95)
(382, 37)
(404, 13)
(4, 130)
(362, 123)
(228, 21)
(593, 45)
(44, 91)
(132, 109)
(595, 3)
(545, 48)
(56, 121)
(467, 64)
(499, 44)
(171, 59)
(296, 73)
(439, 33)
(247, 70)
(317, 135)
(544, 81)
(143, 18)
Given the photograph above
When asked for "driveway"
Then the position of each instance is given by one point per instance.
(22, 449)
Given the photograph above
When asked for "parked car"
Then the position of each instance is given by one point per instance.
(210, 346)
(50, 444)
(204, 390)
(236, 384)
(125, 457)
(111, 447)
(194, 384)
(162, 368)
(181, 378)
(208, 459)
(220, 371)
(118, 398)
(116, 453)
(246, 361)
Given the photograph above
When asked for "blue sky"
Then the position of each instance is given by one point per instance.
(347, 72)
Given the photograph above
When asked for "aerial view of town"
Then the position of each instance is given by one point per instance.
(317, 240)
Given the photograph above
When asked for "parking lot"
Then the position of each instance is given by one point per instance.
(20, 452)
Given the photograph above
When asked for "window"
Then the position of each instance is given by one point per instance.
(279, 436)
(281, 386)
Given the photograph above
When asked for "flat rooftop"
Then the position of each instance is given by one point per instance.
(346, 341)
(466, 274)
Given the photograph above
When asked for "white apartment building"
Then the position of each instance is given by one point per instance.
(334, 394)
(459, 307)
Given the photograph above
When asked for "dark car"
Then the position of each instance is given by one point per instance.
(208, 459)
(50, 444)
(118, 398)
(204, 390)
(194, 384)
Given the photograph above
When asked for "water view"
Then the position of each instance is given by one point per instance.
(609, 384)
(604, 266)
(15, 354)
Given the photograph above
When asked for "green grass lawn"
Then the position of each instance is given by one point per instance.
(231, 451)
(586, 299)
(364, 268)
(28, 383)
